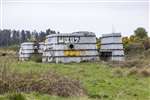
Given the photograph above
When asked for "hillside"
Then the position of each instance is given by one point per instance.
(99, 80)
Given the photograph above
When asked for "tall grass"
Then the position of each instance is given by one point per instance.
(47, 82)
(100, 80)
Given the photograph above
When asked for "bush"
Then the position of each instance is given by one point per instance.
(134, 48)
(133, 71)
(36, 57)
(49, 83)
(145, 72)
(147, 53)
(16, 96)
(140, 71)
(146, 44)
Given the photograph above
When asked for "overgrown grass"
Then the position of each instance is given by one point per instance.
(37, 96)
(100, 80)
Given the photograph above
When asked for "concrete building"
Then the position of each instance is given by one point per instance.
(74, 47)
(112, 47)
(29, 48)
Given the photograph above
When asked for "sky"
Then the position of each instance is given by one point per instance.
(66, 16)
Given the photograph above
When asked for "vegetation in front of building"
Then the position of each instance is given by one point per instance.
(127, 80)
(90, 80)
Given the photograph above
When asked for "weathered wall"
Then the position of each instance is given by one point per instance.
(27, 49)
(58, 47)
(113, 43)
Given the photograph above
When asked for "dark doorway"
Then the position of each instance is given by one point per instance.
(105, 55)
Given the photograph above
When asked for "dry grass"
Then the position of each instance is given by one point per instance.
(45, 82)
(101, 81)
(145, 71)
(49, 83)
(129, 63)
(118, 72)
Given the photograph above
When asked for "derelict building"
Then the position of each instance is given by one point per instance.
(75, 47)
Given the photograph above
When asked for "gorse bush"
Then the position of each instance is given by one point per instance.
(133, 48)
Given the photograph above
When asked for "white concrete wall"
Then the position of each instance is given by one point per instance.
(113, 43)
(118, 52)
(111, 40)
(76, 46)
(61, 53)
(117, 58)
(27, 49)
(75, 59)
(112, 46)
(85, 43)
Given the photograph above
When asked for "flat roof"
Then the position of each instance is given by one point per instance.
(80, 33)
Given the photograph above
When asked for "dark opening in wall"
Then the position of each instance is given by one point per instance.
(71, 46)
(105, 55)
(36, 47)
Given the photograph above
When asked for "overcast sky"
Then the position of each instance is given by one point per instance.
(99, 16)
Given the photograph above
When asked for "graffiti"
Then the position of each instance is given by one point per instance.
(72, 53)
(68, 39)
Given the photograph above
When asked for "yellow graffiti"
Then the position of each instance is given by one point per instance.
(72, 53)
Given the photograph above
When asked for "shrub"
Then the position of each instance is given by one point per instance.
(16, 96)
(36, 57)
(147, 53)
(134, 48)
(146, 44)
(49, 82)
(145, 72)
(133, 71)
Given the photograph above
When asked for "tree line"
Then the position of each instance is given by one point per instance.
(138, 41)
(14, 37)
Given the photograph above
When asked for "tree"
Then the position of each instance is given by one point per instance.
(14, 37)
(125, 41)
(28, 35)
(42, 36)
(140, 33)
(23, 36)
(5, 37)
(49, 31)
(132, 39)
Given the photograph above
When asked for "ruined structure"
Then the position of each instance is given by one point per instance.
(29, 48)
(112, 47)
(74, 47)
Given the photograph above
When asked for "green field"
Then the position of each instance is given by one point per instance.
(100, 80)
